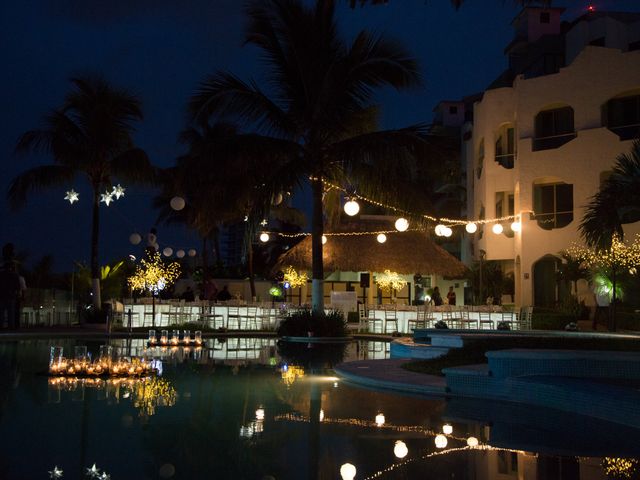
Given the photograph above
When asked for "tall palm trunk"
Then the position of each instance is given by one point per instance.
(95, 266)
(317, 282)
(252, 280)
(205, 259)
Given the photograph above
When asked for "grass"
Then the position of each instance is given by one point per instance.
(473, 351)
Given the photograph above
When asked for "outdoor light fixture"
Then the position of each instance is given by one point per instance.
(180, 253)
(447, 429)
(441, 441)
(118, 191)
(192, 252)
(264, 237)
(402, 224)
(400, 449)
(72, 196)
(167, 252)
(351, 208)
(321, 416)
(439, 229)
(348, 471)
(135, 238)
(471, 228)
(177, 203)
(324, 239)
(381, 238)
(515, 226)
(447, 232)
(260, 414)
(497, 228)
(472, 442)
(380, 419)
(106, 198)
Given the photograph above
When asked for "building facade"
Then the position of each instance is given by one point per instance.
(545, 135)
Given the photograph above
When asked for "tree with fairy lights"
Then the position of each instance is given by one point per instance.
(618, 258)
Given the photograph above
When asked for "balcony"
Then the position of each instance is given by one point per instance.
(554, 141)
(627, 132)
(506, 160)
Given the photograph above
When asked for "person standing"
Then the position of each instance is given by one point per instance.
(451, 296)
(436, 298)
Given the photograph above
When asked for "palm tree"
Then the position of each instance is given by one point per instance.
(319, 87)
(456, 3)
(90, 135)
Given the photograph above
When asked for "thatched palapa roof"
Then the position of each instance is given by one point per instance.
(406, 253)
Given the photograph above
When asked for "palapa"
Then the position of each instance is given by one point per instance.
(406, 253)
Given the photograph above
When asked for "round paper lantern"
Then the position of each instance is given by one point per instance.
(441, 441)
(277, 199)
(180, 253)
(324, 239)
(440, 229)
(447, 232)
(177, 203)
(264, 237)
(380, 419)
(402, 224)
(472, 442)
(381, 238)
(135, 238)
(260, 414)
(400, 449)
(497, 228)
(515, 226)
(351, 208)
(471, 228)
(168, 251)
(348, 471)
(192, 252)
(447, 429)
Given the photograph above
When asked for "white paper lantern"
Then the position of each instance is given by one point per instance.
(441, 441)
(400, 449)
(168, 251)
(381, 238)
(380, 419)
(348, 471)
(135, 238)
(264, 237)
(447, 232)
(471, 228)
(260, 414)
(515, 226)
(447, 429)
(439, 230)
(351, 208)
(324, 239)
(192, 252)
(472, 442)
(180, 253)
(277, 199)
(177, 203)
(497, 228)
(402, 224)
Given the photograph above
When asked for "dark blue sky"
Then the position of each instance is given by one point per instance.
(161, 49)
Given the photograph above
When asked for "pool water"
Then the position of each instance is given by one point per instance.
(240, 410)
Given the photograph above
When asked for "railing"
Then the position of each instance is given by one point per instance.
(626, 132)
(506, 160)
(553, 141)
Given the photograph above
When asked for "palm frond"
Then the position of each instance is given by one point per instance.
(36, 180)
(133, 165)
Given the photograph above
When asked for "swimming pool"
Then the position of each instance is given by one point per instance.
(239, 410)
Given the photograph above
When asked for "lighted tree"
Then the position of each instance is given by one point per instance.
(390, 281)
(294, 278)
(618, 258)
(153, 275)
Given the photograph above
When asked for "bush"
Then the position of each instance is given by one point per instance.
(303, 323)
(550, 320)
(441, 324)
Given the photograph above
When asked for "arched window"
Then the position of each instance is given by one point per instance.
(553, 204)
(622, 116)
(553, 128)
(506, 146)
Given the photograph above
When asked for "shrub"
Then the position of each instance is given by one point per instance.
(304, 322)
(441, 324)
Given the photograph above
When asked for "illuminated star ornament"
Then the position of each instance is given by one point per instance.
(56, 472)
(72, 196)
(93, 472)
(106, 198)
(264, 223)
(118, 191)
(105, 476)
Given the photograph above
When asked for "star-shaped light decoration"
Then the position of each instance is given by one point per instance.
(56, 472)
(264, 222)
(106, 198)
(118, 191)
(105, 476)
(93, 472)
(72, 196)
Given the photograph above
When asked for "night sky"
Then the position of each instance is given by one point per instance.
(161, 49)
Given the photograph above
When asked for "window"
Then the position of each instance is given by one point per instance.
(480, 158)
(553, 205)
(453, 110)
(623, 116)
(506, 147)
(597, 42)
(545, 17)
(553, 128)
(505, 207)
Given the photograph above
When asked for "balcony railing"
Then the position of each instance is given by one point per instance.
(507, 160)
(553, 141)
(627, 132)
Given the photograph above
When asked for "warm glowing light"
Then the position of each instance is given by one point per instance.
(515, 226)
(380, 419)
(400, 449)
(439, 230)
(264, 237)
(348, 471)
(290, 373)
(135, 238)
(441, 441)
(402, 224)
(324, 239)
(294, 278)
(260, 414)
(389, 281)
(381, 238)
(471, 228)
(351, 208)
(497, 228)
(447, 429)
(321, 416)
(472, 442)
(180, 253)
(72, 196)
(447, 232)
(106, 198)
(177, 203)
(118, 191)
(153, 275)
(192, 252)
(167, 252)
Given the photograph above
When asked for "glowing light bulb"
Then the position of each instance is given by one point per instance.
(381, 238)
(497, 229)
(400, 449)
(321, 415)
(351, 208)
(324, 239)
(380, 419)
(440, 229)
(447, 429)
(348, 471)
(441, 441)
(471, 228)
(264, 237)
(177, 203)
(447, 232)
(402, 224)
(472, 442)
(515, 226)
(260, 414)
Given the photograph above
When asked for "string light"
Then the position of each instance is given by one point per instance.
(400, 449)
(72, 196)
(118, 191)
(515, 226)
(324, 239)
(106, 198)
(497, 228)
(294, 278)
(381, 238)
(471, 227)
(153, 275)
(389, 281)
(380, 419)
(351, 208)
(264, 237)
(402, 224)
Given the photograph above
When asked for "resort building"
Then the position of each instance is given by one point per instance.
(544, 135)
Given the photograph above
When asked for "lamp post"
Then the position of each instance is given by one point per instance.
(483, 253)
